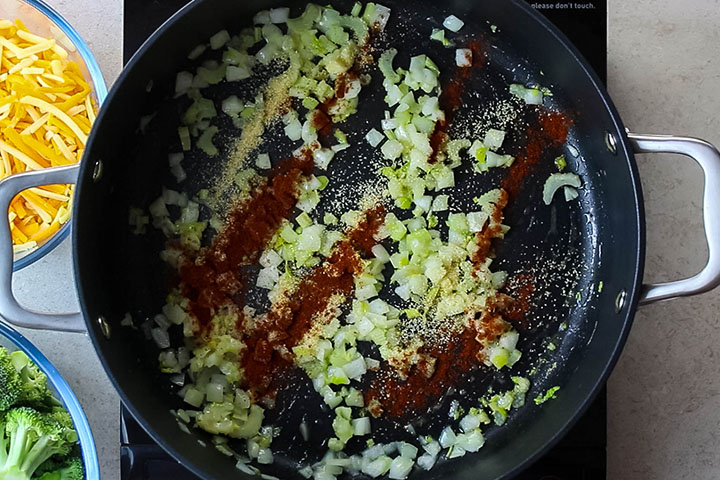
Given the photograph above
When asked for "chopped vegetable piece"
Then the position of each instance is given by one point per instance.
(556, 181)
(548, 395)
(453, 23)
(531, 96)
(463, 57)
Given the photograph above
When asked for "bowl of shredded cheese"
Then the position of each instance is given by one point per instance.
(50, 89)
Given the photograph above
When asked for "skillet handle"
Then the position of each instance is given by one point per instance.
(708, 157)
(10, 309)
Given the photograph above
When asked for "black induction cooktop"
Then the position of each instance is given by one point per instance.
(581, 454)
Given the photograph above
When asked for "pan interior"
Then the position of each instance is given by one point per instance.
(581, 254)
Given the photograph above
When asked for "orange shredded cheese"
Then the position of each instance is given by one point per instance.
(46, 110)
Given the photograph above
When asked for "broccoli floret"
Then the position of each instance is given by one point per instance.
(71, 469)
(29, 439)
(34, 382)
(10, 383)
(23, 383)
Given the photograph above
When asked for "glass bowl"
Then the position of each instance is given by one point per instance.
(42, 20)
(12, 340)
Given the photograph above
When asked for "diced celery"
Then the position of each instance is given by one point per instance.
(361, 426)
(205, 142)
(288, 234)
(310, 103)
(330, 219)
(304, 220)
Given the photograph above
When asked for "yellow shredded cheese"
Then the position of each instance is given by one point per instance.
(46, 110)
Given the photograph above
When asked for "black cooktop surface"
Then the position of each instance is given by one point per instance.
(581, 455)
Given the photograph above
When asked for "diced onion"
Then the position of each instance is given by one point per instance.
(570, 194)
(472, 441)
(456, 452)
(196, 52)
(408, 450)
(232, 106)
(400, 468)
(380, 253)
(161, 337)
(214, 392)
(556, 181)
(183, 82)
(463, 57)
(218, 40)
(447, 437)
(279, 15)
(476, 221)
(267, 53)
(293, 130)
(433, 448)
(509, 340)
(263, 161)
(494, 139)
(353, 89)
(267, 277)
(322, 157)
(392, 149)
(469, 423)
(372, 364)
(382, 15)
(323, 475)
(377, 467)
(194, 397)
(270, 258)
(261, 18)
(531, 96)
(453, 23)
(265, 456)
(426, 461)
(236, 73)
(356, 368)
(438, 34)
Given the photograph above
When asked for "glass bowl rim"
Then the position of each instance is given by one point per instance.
(70, 401)
(99, 87)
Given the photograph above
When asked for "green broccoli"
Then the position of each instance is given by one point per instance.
(10, 383)
(71, 469)
(28, 439)
(34, 389)
(23, 383)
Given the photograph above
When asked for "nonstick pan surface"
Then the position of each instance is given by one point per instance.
(571, 248)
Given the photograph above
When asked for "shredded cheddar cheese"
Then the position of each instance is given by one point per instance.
(46, 111)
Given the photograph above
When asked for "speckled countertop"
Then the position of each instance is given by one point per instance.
(664, 396)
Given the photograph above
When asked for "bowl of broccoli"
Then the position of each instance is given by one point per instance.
(44, 434)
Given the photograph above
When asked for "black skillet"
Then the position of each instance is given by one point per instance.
(596, 241)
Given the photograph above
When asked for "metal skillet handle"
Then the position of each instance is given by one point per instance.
(708, 157)
(10, 309)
